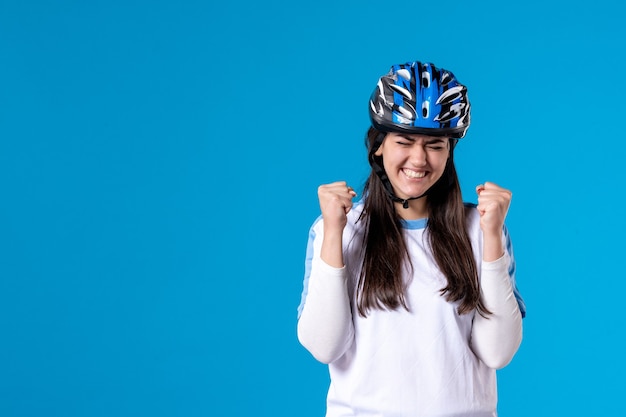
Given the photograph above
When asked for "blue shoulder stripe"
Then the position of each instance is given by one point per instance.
(509, 249)
(307, 266)
(518, 296)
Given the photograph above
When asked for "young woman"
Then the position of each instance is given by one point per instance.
(409, 294)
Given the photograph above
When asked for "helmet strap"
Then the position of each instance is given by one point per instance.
(405, 203)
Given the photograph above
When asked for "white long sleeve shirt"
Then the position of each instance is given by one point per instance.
(427, 361)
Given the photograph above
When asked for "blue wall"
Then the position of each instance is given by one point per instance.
(159, 164)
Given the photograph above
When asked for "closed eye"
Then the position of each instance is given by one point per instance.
(405, 140)
(437, 145)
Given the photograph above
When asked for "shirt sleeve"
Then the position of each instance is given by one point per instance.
(325, 325)
(497, 337)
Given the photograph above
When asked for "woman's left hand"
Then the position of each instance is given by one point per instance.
(493, 205)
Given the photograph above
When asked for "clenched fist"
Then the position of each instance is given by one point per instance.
(335, 202)
(493, 205)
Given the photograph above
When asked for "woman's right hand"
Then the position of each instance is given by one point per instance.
(335, 202)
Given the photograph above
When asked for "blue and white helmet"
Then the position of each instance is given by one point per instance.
(420, 98)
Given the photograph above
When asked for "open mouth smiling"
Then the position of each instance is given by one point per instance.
(413, 174)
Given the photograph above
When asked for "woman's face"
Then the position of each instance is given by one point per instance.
(413, 162)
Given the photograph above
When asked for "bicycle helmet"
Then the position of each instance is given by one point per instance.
(420, 98)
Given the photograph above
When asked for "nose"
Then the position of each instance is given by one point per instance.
(418, 155)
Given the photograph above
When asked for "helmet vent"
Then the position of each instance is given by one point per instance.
(404, 73)
(425, 79)
(425, 110)
(446, 78)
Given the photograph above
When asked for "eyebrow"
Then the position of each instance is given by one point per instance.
(428, 141)
(435, 140)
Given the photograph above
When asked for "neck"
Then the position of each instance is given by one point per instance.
(417, 209)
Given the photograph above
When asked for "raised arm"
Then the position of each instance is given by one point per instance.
(496, 338)
(325, 323)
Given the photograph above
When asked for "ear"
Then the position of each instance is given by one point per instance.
(451, 145)
(379, 151)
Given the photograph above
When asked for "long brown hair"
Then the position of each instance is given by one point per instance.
(381, 284)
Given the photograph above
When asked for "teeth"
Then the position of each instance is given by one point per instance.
(414, 174)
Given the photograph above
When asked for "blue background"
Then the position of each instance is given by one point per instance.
(159, 162)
